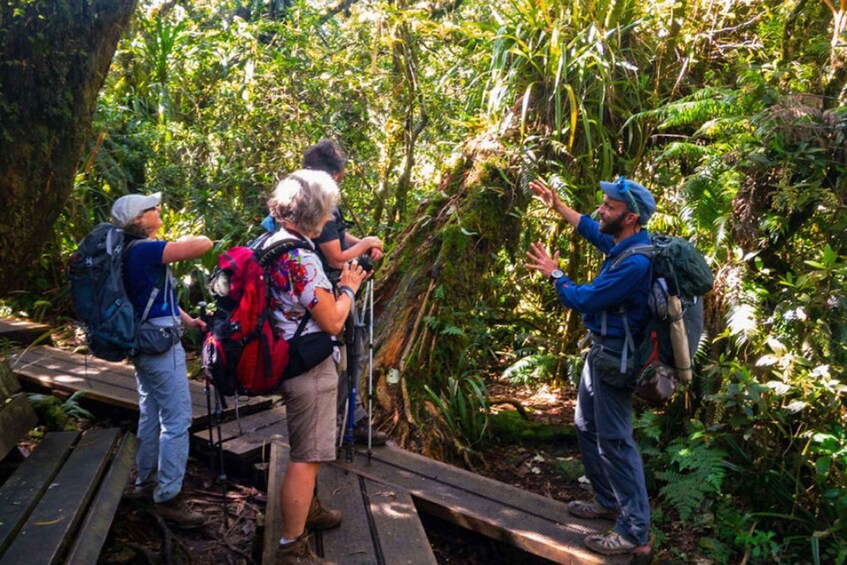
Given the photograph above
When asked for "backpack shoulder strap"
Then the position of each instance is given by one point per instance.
(266, 256)
(647, 249)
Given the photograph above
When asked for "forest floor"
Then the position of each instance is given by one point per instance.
(138, 536)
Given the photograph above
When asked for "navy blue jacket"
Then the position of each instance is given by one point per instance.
(628, 285)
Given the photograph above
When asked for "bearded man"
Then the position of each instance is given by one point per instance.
(614, 309)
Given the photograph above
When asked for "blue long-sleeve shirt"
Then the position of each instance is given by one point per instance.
(626, 285)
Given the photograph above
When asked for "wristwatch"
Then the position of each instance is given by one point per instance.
(556, 275)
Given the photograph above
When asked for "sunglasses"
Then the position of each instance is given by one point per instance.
(620, 184)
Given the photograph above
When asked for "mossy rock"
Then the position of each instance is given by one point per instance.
(50, 413)
(510, 427)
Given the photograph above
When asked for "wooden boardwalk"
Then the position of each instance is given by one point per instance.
(23, 331)
(65, 373)
(380, 496)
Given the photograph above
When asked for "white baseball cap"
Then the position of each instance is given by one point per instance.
(127, 208)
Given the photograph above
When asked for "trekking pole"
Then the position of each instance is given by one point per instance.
(369, 306)
(214, 420)
(208, 391)
(351, 381)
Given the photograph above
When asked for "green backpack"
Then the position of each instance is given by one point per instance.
(679, 278)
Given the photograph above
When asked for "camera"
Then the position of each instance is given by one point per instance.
(365, 262)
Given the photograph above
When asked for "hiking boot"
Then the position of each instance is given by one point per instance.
(319, 518)
(176, 513)
(298, 552)
(612, 543)
(591, 510)
(141, 492)
(360, 435)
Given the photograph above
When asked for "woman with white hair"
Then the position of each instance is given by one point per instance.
(303, 301)
(161, 377)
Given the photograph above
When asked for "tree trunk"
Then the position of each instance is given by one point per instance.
(439, 275)
(56, 54)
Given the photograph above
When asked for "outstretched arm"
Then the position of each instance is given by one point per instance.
(189, 247)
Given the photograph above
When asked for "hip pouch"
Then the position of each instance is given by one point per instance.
(306, 352)
(151, 339)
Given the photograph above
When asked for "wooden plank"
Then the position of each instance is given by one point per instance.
(47, 531)
(534, 523)
(16, 418)
(352, 542)
(107, 382)
(92, 534)
(23, 331)
(265, 422)
(20, 493)
(273, 513)
(402, 538)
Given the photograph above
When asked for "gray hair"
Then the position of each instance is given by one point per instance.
(303, 199)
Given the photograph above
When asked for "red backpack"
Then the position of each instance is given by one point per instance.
(242, 352)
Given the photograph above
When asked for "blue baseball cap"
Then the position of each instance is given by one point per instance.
(637, 198)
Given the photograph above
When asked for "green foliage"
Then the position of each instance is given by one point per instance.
(695, 473)
(464, 409)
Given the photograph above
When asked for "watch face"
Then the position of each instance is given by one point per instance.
(556, 274)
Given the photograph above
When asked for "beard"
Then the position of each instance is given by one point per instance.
(613, 227)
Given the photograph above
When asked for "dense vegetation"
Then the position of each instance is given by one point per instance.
(732, 111)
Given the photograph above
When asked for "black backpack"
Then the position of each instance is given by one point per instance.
(97, 291)
(679, 278)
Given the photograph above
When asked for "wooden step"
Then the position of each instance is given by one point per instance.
(110, 383)
(246, 440)
(537, 524)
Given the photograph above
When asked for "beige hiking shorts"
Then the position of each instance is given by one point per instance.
(310, 405)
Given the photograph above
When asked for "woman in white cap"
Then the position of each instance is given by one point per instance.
(162, 380)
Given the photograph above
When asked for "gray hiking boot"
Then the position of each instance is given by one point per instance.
(298, 552)
(176, 513)
(612, 543)
(591, 510)
(319, 518)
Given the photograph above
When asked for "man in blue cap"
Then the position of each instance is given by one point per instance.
(614, 308)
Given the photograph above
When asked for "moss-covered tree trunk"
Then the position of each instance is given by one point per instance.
(56, 54)
(441, 273)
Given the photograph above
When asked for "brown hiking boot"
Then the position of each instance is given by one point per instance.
(319, 518)
(298, 552)
(360, 435)
(176, 513)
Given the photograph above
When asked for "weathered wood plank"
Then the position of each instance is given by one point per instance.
(92, 534)
(16, 418)
(273, 513)
(23, 331)
(107, 382)
(257, 427)
(352, 542)
(20, 493)
(47, 531)
(534, 523)
(402, 538)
